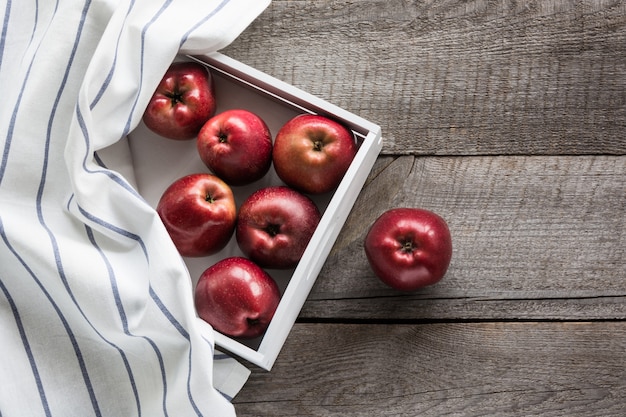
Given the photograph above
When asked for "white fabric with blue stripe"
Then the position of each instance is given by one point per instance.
(96, 309)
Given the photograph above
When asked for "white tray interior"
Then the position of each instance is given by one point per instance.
(157, 162)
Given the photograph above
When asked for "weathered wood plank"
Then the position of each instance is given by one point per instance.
(457, 77)
(475, 369)
(534, 237)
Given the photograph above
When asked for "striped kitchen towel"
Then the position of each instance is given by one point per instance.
(96, 307)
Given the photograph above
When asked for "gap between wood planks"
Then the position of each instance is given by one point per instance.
(340, 320)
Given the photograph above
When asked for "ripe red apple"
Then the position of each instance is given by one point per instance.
(275, 225)
(237, 146)
(409, 248)
(312, 153)
(237, 297)
(183, 101)
(199, 212)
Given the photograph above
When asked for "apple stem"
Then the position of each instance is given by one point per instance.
(175, 98)
(272, 229)
(408, 246)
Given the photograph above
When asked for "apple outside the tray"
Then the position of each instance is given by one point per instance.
(237, 146)
(182, 102)
(409, 248)
(199, 213)
(237, 297)
(312, 153)
(275, 225)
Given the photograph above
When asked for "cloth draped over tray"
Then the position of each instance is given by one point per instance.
(96, 305)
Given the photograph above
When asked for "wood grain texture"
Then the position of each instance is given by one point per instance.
(480, 369)
(534, 237)
(457, 77)
(507, 118)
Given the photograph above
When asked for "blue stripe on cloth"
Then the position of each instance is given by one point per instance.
(185, 334)
(32, 34)
(115, 229)
(189, 394)
(202, 22)
(5, 27)
(122, 315)
(228, 397)
(57, 309)
(142, 55)
(99, 95)
(121, 312)
(170, 317)
(98, 161)
(88, 319)
(124, 321)
(116, 178)
(109, 76)
(53, 240)
(22, 332)
(11, 127)
(219, 356)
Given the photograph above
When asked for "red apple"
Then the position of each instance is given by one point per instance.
(409, 248)
(237, 297)
(312, 153)
(237, 146)
(183, 101)
(275, 225)
(199, 212)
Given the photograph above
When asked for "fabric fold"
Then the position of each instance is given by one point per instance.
(96, 307)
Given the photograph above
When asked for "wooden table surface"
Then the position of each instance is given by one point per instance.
(508, 119)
